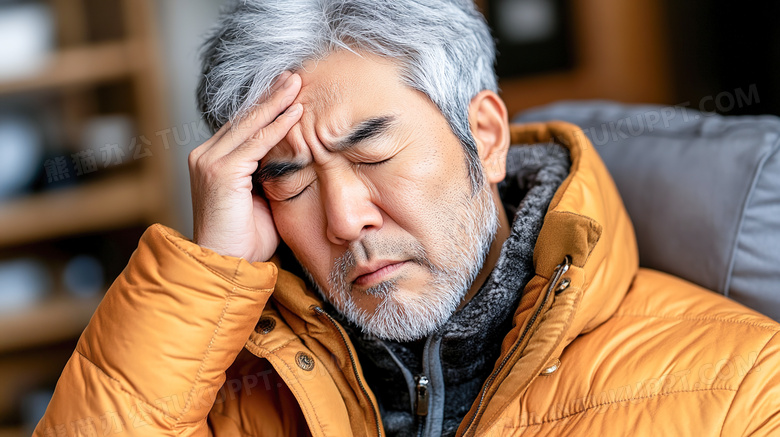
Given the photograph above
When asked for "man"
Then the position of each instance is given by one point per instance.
(456, 286)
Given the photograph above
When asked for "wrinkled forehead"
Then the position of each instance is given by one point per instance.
(338, 92)
(327, 93)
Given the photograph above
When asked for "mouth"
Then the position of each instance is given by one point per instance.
(377, 272)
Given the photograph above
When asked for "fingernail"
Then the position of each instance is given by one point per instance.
(289, 81)
(294, 110)
(278, 81)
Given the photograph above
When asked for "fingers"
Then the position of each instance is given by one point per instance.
(280, 80)
(227, 126)
(282, 93)
(256, 147)
(261, 116)
(243, 145)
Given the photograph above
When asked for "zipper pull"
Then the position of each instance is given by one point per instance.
(422, 395)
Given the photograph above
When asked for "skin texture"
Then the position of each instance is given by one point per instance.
(378, 203)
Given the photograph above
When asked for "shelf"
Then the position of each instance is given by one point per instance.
(52, 320)
(12, 432)
(80, 80)
(76, 66)
(101, 205)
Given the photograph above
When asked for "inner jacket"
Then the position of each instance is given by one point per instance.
(597, 346)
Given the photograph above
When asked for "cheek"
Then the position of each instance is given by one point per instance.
(301, 230)
(420, 191)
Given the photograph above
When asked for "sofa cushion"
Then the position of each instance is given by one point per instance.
(703, 191)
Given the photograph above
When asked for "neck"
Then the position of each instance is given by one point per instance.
(495, 249)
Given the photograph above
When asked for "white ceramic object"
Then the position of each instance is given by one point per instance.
(23, 283)
(110, 137)
(26, 39)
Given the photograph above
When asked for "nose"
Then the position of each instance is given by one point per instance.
(349, 207)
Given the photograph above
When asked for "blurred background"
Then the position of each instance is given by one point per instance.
(97, 117)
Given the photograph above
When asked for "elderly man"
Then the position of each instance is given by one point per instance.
(448, 284)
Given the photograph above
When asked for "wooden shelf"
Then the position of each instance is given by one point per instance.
(101, 205)
(12, 432)
(77, 66)
(55, 319)
(35, 343)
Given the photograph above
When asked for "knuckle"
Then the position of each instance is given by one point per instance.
(199, 163)
(259, 136)
(193, 157)
(285, 101)
(249, 144)
(205, 167)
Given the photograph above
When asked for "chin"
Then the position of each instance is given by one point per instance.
(401, 314)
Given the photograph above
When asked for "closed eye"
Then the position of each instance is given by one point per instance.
(359, 164)
(371, 164)
(290, 199)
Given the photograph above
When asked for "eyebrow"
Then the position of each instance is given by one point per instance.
(276, 170)
(365, 130)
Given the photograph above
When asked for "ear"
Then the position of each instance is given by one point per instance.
(490, 127)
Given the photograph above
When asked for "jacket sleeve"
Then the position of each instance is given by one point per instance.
(755, 410)
(154, 354)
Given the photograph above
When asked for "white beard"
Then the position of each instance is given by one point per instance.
(403, 315)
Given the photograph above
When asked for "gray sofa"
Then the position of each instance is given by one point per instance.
(703, 191)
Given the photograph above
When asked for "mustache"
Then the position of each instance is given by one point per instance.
(371, 248)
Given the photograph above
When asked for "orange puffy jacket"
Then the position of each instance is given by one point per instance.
(190, 343)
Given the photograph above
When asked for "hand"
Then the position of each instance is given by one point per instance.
(228, 219)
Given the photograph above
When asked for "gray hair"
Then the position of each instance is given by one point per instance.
(443, 48)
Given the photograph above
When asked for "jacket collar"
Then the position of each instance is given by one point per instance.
(586, 220)
(587, 223)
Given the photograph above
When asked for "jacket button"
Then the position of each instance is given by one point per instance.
(304, 361)
(552, 368)
(265, 325)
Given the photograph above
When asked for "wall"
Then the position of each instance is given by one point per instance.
(183, 26)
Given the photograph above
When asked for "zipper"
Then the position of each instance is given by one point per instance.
(560, 269)
(335, 324)
(421, 405)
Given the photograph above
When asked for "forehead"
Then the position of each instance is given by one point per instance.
(338, 92)
(319, 92)
(343, 75)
